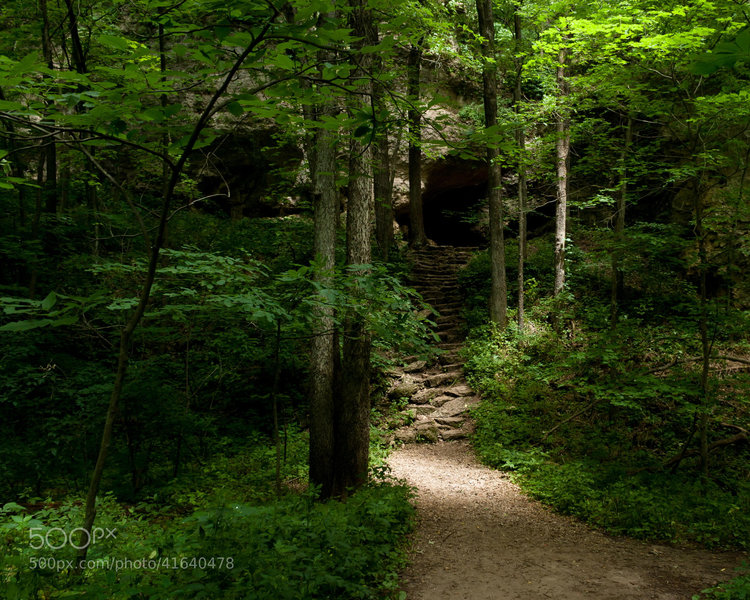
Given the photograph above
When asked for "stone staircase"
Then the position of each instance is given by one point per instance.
(437, 394)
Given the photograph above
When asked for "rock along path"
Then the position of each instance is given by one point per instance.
(478, 537)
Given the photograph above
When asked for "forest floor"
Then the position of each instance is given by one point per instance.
(479, 538)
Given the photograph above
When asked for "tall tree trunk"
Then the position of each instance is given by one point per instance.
(383, 182)
(383, 188)
(563, 150)
(617, 275)
(50, 180)
(324, 353)
(499, 290)
(352, 413)
(79, 57)
(383, 185)
(36, 218)
(417, 236)
(323, 347)
(64, 184)
(522, 187)
(735, 241)
(700, 234)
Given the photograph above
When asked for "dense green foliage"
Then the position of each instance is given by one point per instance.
(216, 533)
(203, 361)
(588, 417)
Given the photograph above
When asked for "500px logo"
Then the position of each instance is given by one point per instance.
(56, 538)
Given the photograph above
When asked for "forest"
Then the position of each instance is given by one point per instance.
(256, 256)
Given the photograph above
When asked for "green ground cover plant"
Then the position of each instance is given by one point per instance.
(600, 422)
(218, 532)
(734, 589)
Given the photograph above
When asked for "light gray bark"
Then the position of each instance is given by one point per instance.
(522, 188)
(563, 150)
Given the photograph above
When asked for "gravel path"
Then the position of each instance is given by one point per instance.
(479, 538)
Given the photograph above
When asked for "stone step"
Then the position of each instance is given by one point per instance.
(459, 390)
(442, 399)
(439, 379)
(453, 434)
(446, 296)
(450, 336)
(421, 410)
(425, 279)
(425, 395)
(416, 366)
(449, 355)
(451, 422)
(451, 319)
(451, 346)
(443, 303)
(455, 407)
(442, 297)
(447, 249)
(448, 322)
(453, 366)
(439, 267)
(438, 287)
(447, 310)
(427, 432)
(403, 389)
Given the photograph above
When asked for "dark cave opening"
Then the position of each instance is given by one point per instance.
(454, 203)
(452, 216)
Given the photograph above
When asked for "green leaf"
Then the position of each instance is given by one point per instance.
(222, 31)
(113, 41)
(285, 62)
(27, 63)
(172, 109)
(49, 301)
(64, 321)
(26, 325)
(362, 131)
(235, 108)
(152, 114)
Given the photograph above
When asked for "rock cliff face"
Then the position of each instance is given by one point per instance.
(251, 171)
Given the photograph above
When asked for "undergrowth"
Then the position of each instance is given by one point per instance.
(587, 432)
(734, 589)
(602, 422)
(218, 533)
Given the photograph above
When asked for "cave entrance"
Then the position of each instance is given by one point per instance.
(454, 203)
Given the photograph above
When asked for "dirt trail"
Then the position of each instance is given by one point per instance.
(479, 538)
